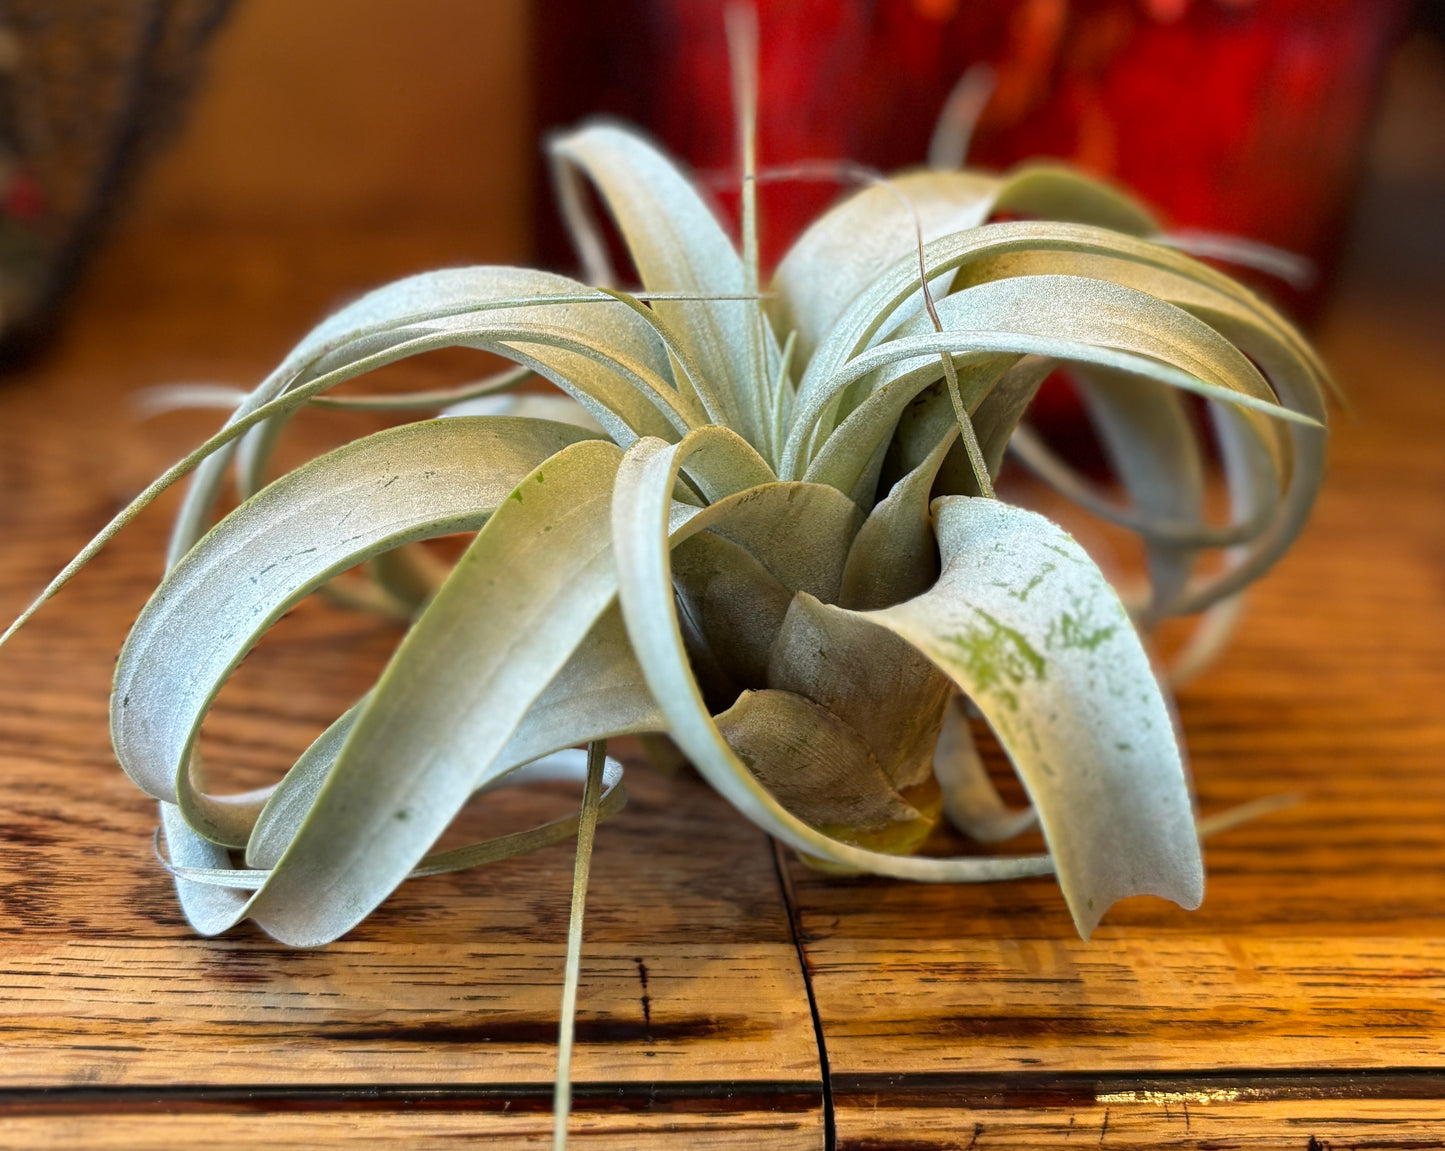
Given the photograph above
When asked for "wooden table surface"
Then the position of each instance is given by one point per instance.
(729, 997)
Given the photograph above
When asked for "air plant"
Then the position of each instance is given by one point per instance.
(765, 527)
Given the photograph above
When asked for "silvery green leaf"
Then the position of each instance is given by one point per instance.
(436, 399)
(678, 246)
(527, 406)
(970, 800)
(640, 514)
(1295, 270)
(1026, 625)
(290, 802)
(722, 463)
(353, 847)
(567, 765)
(1146, 433)
(209, 908)
(1254, 471)
(848, 247)
(820, 769)
(1293, 368)
(1263, 467)
(1050, 245)
(894, 556)
(585, 342)
(598, 693)
(1056, 192)
(366, 497)
(799, 532)
(1060, 317)
(851, 457)
(519, 602)
(731, 609)
(995, 419)
(1161, 271)
(688, 375)
(879, 687)
(205, 886)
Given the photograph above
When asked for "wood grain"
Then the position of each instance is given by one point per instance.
(425, 1125)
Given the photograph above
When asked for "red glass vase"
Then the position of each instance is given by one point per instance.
(1244, 116)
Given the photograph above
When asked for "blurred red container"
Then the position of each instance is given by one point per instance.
(1244, 116)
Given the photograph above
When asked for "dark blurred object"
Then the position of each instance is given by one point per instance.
(1244, 116)
(1397, 244)
(1430, 17)
(87, 89)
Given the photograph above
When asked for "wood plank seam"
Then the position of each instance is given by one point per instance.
(1026, 1089)
(830, 1129)
(685, 1096)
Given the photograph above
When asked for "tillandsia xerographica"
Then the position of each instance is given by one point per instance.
(769, 533)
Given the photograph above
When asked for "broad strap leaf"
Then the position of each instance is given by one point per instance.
(970, 799)
(821, 769)
(598, 693)
(477, 660)
(369, 496)
(873, 682)
(849, 246)
(894, 557)
(1055, 316)
(587, 343)
(1026, 625)
(1292, 367)
(212, 891)
(1151, 443)
(731, 609)
(519, 602)
(887, 301)
(678, 246)
(1056, 192)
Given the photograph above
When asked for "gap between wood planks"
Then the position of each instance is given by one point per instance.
(795, 927)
